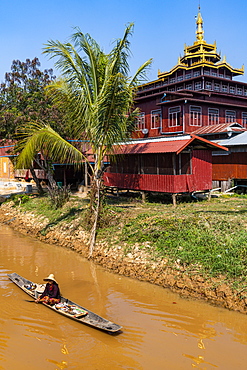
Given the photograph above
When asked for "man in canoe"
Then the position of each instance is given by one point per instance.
(51, 294)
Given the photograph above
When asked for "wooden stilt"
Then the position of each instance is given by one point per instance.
(174, 199)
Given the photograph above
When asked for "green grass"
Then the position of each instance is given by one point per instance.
(218, 246)
(206, 237)
(42, 206)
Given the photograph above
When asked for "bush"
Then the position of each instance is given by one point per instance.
(59, 196)
(19, 199)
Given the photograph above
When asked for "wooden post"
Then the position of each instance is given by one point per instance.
(174, 164)
(174, 199)
(64, 177)
(85, 177)
(143, 196)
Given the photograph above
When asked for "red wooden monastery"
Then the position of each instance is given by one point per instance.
(198, 92)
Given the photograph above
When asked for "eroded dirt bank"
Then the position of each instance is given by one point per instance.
(136, 264)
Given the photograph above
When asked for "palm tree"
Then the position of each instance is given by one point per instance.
(98, 96)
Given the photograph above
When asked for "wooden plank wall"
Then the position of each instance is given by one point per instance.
(232, 166)
(200, 179)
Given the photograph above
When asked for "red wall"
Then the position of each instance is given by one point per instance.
(148, 105)
(200, 179)
(232, 166)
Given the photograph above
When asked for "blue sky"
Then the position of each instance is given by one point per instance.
(162, 27)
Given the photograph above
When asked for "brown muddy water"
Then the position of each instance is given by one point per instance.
(160, 329)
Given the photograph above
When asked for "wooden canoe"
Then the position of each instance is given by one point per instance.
(66, 307)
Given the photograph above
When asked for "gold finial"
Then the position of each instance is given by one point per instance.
(199, 25)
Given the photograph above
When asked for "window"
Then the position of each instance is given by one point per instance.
(166, 164)
(172, 80)
(232, 90)
(230, 116)
(213, 116)
(149, 164)
(221, 75)
(224, 88)
(239, 91)
(180, 78)
(180, 88)
(183, 164)
(141, 121)
(156, 118)
(187, 76)
(189, 87)
(174, 116)
(208, 85)
(198, 86)
(126, 164)
(172, 164)
(206, 72)
(213, 73)
(245, 92)
(195, 115)
(244, 119)
(196, 73)
(216, 86)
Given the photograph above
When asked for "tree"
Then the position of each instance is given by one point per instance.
(98, 96)
(23, 98)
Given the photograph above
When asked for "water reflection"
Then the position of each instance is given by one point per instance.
(157, 333)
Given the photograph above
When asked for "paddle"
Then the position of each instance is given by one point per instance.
(26, 300)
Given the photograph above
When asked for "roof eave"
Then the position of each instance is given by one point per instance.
(209, 144)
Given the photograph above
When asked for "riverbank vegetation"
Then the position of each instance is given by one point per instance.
(206, 238)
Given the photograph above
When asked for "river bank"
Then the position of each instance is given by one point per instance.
(136, 260)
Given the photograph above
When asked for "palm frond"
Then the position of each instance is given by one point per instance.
(42, 138)
(96, 90)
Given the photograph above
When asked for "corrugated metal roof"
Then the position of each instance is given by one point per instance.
(219, 128)
(152, 144)
(174, 144)
(240, 139)
(153, 147)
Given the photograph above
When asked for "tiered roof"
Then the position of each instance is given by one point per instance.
(201, 54)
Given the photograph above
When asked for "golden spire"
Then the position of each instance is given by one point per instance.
(199, 26)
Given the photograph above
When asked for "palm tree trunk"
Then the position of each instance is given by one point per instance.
(46, 167)
(52, 182)
(39, 187)
(96, 212)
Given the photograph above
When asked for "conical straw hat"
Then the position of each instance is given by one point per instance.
(50, 277)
